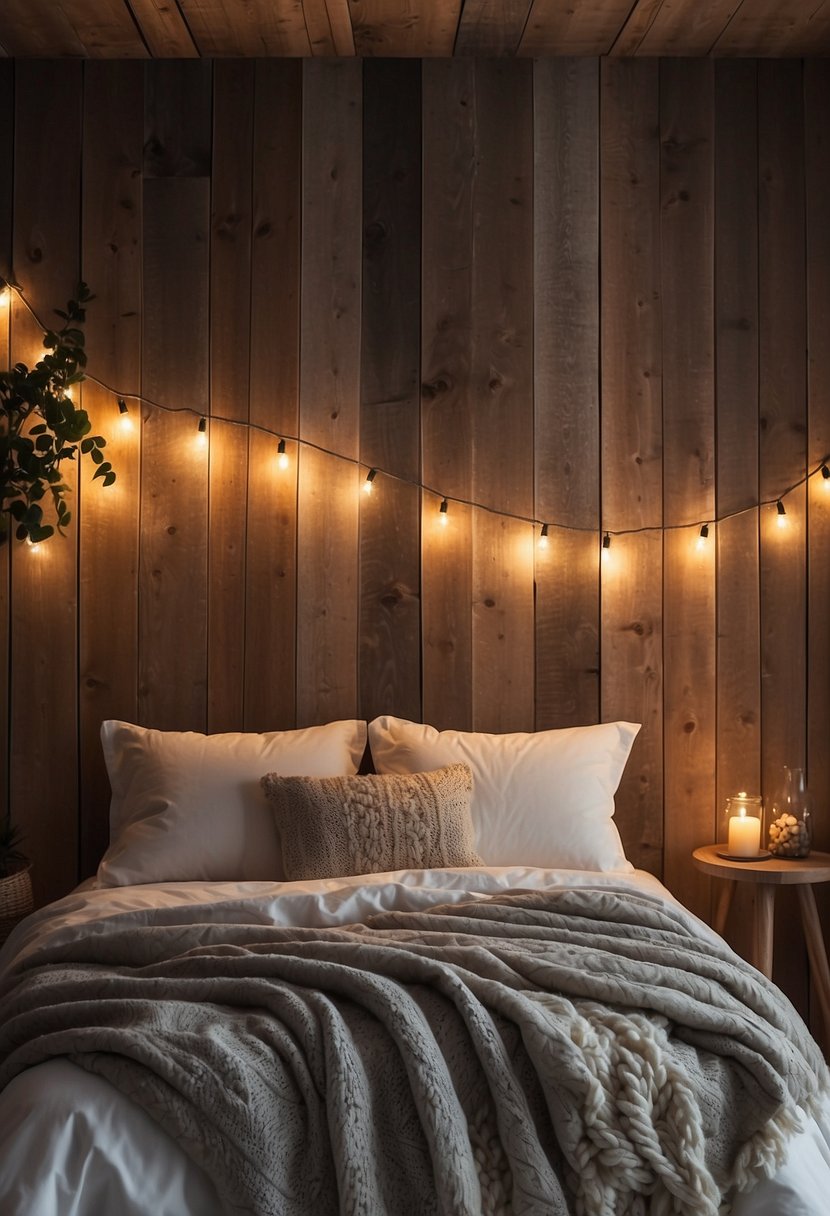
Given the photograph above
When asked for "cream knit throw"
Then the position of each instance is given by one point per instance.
(565, 1052)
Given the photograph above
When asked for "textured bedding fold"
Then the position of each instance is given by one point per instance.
(579, 1050)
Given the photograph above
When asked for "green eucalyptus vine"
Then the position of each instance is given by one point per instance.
(41, 427)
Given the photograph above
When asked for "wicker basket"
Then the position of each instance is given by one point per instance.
(16, 899)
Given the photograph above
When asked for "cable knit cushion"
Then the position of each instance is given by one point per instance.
(333, 826)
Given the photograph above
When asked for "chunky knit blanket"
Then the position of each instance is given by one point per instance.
(572, 1051)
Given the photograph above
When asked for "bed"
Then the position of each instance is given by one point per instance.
(229, 1020)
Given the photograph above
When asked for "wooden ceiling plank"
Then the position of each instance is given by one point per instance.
(341, 26)
(687, 27)
(37, 29)
(562, 27)
(329, 27)
(640, 21)
(769, 28)
(491, 27)
(412, 28)
(257, 28)
(164, 29)
(105, 28)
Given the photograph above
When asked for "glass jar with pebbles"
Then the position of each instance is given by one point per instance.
(791, 816)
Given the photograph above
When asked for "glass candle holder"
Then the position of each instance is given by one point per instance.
(791, 816)
(744, 825)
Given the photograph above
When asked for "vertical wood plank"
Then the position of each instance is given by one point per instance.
(783, 418)
(271, 590)
(111, 263)
(390, 550)
(783, 449)
(174, 507)
(736, 372)
(631, 683)
(501, 383)
(327, 582)
(566, 388)
(6, 202)
(817, 185)
(44, 712)
(230, 327)
(687, 242)
(736, 323)
(446, 407)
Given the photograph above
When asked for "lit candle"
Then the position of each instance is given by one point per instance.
(744, 835)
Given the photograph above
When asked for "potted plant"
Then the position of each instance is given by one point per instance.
(41, 427)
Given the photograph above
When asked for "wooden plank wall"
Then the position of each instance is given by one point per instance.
(577, 292)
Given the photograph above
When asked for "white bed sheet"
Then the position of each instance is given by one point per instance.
(72, 1145)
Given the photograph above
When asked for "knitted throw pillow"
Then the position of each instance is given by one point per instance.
(333, 826)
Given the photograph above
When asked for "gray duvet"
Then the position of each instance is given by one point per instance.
(571, 1051)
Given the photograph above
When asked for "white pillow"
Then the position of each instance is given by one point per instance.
(189, 807)
(543, 799)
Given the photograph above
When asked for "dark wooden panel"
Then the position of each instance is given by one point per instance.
(783, 449)
(178, 118)
(175, 365)
(566, 387)
(331, 265)
(446, 406)
(270, 609)
(228, 496)
(275, 252)
(173, 568)
(44, 716)
(817, 184)
(501, 385)
(270, 588)
(817, 158)
(328, 582)
(327, 589)
(687, 241)
(502, 623)
(783, 421)
(446, 589)
(631, 684)
(48, 36)
(230, 238)
(230, 340)
(390, 551)
(736, 327)
(111, 261)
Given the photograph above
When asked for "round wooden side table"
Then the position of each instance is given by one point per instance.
(767, 874)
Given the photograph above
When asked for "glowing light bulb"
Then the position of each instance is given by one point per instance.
(703, 538)
(543, 537)
(124, 419)
(282, 455)
(5, 296)
(370, 477)
(201, 437)
(67, 392)
(34, 545)
(825, 477)
(443, 517)
(782, 514)
(606, 547)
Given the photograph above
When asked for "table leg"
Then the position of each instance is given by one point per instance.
(725, 893)
(764, 921)
(816, 951)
